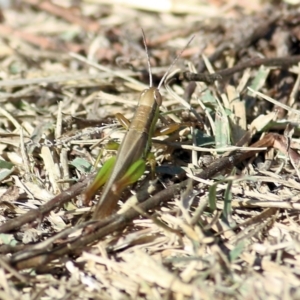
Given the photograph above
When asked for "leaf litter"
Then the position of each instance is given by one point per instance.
(220, 220)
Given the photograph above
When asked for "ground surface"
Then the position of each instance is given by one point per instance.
(222, 219)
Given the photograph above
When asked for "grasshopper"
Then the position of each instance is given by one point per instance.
(129, 164)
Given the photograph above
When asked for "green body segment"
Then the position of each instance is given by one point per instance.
(134, 146)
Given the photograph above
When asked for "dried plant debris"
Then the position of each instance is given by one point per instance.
(217, 215)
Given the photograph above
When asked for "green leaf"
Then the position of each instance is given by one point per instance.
(69, 206)
(259, 81)
(4, 173)
(209, 100)
(227, 203)
(81, 165)
(236, 252)
(6, 168)
(112, 145)
(212, 197)
(203, 140)
(8, 239)
(6, 165)
(222, 130)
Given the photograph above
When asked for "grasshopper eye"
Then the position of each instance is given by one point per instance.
(157, 97)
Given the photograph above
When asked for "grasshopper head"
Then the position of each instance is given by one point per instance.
(150, 96)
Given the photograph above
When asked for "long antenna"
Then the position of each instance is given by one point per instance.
(173, 63)
(148, 59)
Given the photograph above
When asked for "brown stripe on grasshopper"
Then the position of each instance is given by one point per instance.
(134, 147)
